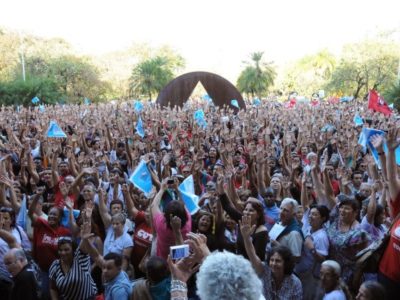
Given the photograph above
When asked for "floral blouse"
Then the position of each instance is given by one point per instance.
(291, 288)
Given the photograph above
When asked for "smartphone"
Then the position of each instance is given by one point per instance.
(178, 252)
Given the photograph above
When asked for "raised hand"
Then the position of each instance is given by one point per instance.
(175, 223)
(245, 227)
(377, 141)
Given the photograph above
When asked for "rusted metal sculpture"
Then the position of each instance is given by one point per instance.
(177, 91)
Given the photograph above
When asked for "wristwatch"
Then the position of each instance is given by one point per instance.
(313, 251)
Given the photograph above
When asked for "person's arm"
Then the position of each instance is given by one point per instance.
(126, 256)
(394, 182)
(8, 237)
(246, 229)
(130, 206)
(329, 193)
(371, 209)
(155, 204)
(32, 207)
(53, 290)
(104, 214)
(304, 193)
(176, 229)
(54, 172)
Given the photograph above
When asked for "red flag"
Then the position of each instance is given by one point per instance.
(376, 103)
(291, 103)
(333, 100)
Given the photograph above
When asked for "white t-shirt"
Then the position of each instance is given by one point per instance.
(116, 245)
(293, 241)
(335, 295)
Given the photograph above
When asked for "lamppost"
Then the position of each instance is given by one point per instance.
(22, 55)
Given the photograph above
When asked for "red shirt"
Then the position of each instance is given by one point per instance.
(45, 239)
(390, 262)
(141, 239)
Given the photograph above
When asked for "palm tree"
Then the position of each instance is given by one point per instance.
(150, 76)
(257, 76)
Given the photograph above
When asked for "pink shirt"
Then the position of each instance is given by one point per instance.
(165, 236)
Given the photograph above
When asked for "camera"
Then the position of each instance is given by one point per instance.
(178, 252)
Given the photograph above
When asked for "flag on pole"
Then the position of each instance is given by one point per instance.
(41, 108)
(35, 100)
(138, 106)
(235, 103)
(207, 98)
(186, 188)
(256, 102)
(377, 103)
(139, 128)
(199, 118)
(55, 131)
(87, 101)
(358, 120)
(141, 178)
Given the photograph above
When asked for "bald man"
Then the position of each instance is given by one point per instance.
(25, 285)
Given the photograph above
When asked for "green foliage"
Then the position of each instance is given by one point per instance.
(392, 94)
(363, 66)
(257, 76)
(151, 75)
(19, 92)
(309, 74)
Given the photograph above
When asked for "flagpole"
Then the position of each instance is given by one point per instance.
(22, 55)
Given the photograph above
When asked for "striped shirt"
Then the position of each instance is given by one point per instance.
(77, 283)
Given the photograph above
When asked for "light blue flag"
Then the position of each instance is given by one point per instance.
(199, 118)
(358, 120)
(42, 108)
(55, 131)
(391, 105)
(22, 214)
(87, 101)
(327, 127)
(256, 102)
(346, 99)
(139, 128)
(188, 196)
(138, 106)
(207, 98)
(235, 103)
(18, 108)
(35, 100)
(141, 178)
(364, 141)
(65, 216)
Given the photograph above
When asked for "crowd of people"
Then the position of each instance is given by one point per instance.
(287, 202)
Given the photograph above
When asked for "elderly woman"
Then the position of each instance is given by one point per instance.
(331, 282)
(216, 280)
(346, 238)
(277, 272)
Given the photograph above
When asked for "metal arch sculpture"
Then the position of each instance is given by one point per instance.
(177, 91)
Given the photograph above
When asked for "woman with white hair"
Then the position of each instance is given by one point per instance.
(334, 287)
(222, 275)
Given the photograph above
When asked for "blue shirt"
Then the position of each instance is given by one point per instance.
(120, 288)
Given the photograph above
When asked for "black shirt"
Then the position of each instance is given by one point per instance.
(25, 285)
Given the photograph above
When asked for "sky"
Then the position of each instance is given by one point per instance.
(212, 35)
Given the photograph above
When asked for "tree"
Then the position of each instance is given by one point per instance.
(151, 75)
(364, 66)
(257, 76)
(308, 74)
